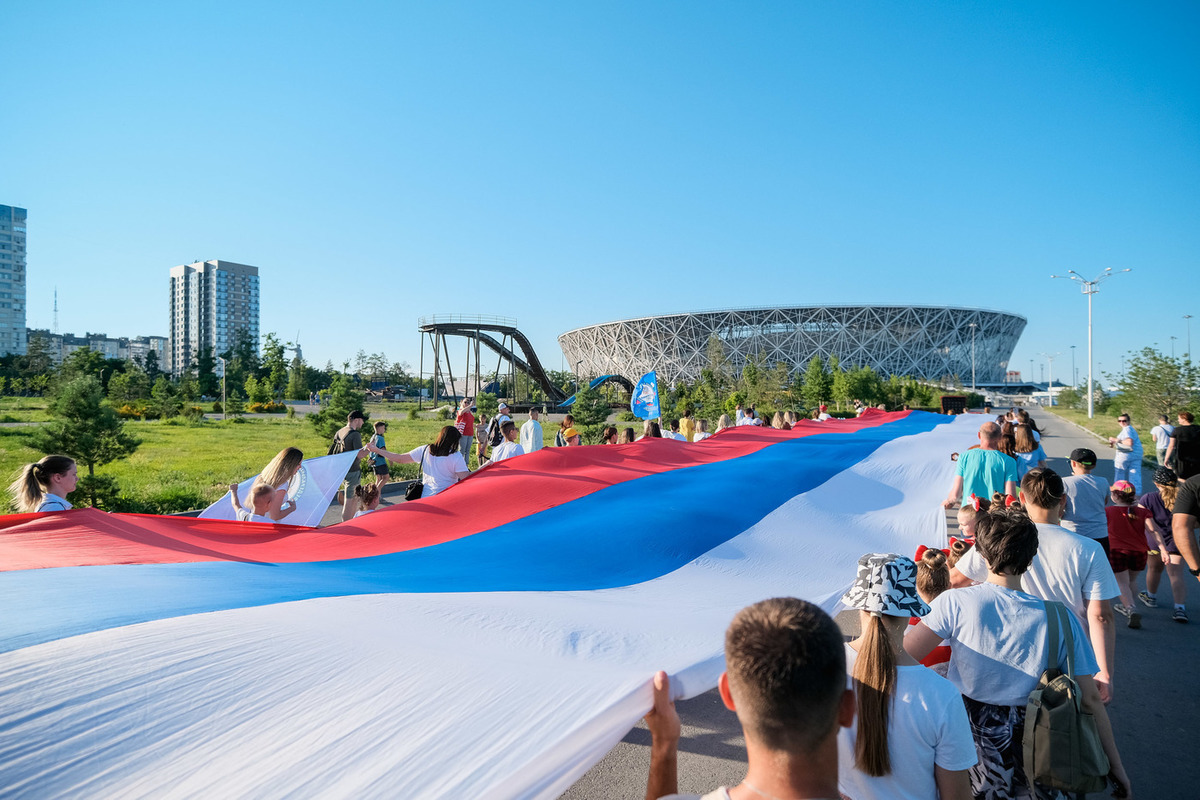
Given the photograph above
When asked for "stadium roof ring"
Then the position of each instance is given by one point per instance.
(928, 342)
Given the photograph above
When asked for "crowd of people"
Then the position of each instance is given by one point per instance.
(930, 700)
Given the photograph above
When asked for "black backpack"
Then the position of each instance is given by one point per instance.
(495, 437)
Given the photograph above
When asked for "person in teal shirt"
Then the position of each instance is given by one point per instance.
(984, 470)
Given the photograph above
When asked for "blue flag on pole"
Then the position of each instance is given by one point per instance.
(645, 397)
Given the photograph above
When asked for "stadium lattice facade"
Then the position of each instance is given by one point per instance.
(921, 341)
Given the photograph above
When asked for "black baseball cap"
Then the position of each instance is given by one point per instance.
(354, 415)
(1083, 456)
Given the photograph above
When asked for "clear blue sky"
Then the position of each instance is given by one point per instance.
(567, 164)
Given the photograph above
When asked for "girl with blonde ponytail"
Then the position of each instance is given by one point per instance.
(910, 737)
(44, 485)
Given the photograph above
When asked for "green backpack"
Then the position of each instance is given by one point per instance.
(1062, 744)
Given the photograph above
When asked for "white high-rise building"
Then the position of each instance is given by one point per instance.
(12, 280)
(210, 302)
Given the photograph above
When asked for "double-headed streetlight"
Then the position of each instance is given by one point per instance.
(1089, 288)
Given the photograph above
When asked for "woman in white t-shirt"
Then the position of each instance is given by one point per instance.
(44, 485)
(701, 431)
(442, 465)
(910, 739)
(998, 643)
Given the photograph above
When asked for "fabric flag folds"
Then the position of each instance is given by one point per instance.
(311, 490)
(645, 397)
(493, 641)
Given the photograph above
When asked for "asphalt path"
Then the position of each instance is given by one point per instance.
(1153, 711)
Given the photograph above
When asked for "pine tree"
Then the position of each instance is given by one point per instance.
(87, 429)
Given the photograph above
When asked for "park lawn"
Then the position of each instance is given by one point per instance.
(24, 409)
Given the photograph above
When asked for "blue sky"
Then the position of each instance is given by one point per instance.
(568, 164)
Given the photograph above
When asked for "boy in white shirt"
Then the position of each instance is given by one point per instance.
(510, 447)
(260, 500)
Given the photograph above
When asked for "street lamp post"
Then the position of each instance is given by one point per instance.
(1050, 386)
(1074, 372)
(1173, 338)
(1188, 319)
(973, 326)
(1089, 288)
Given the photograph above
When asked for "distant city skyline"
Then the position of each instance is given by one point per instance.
(571, 166)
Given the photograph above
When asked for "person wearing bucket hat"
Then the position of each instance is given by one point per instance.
(1164, 554)
(910, 737)
(999, 641)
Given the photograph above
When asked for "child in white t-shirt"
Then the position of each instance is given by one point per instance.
(260, 500)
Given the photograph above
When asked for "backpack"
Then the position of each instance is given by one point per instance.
(495, 437)
(339, 444)
(1062, 744)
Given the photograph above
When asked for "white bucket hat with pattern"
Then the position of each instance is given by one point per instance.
(886, 584)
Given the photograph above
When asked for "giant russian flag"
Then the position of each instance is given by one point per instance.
(493, 641)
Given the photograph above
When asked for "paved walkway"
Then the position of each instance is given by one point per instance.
(1153, 714)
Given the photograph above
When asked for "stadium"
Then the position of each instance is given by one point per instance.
(928, 342)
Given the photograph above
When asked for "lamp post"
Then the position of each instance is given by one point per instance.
(1050, 385)
(1074, 372)
(973, 326)
(224, 402)
(1188, 319)
(1089, 288)
(1173, 338)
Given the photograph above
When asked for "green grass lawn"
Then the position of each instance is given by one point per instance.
(180, 467)
(23, 409)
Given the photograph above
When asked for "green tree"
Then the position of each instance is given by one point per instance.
(164, 398)
(37, 359)
(298, 375)
(1157, 384)
(84, 361)
(817, 383)
(241, 360)
(151, 365)
(258, 391)
(208, 384)
(487, 404)
(129, 387)
(590, 411)
(86, 428)
(273, 368)
(840, 389)
(343, 399)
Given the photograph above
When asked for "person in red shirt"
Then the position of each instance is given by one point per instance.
(465, 422)
(1128, 525)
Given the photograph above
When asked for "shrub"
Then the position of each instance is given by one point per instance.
(412, 414)
(627, 416)
(217, 409)
(193, 413)
(270, 407)
(129, 411)
(445, 412)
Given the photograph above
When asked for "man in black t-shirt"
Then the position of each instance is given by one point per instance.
(1183, 523)
(1185, 447)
